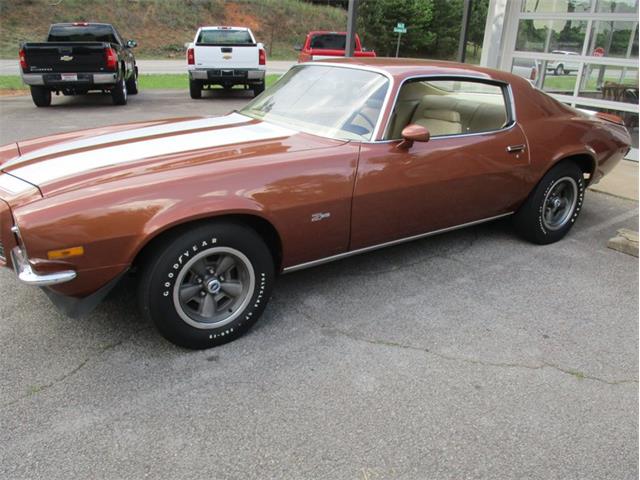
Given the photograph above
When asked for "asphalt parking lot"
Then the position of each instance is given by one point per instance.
(468, 355)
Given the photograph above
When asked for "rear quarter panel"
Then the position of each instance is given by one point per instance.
(555, 131)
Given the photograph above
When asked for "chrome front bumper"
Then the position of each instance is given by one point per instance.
(26, 274)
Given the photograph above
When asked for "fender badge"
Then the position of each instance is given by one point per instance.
(316, 217)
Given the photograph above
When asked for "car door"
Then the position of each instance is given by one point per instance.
(473, 167)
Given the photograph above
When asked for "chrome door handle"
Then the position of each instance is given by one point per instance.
(516, 148)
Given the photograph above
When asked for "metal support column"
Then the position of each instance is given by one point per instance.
(352, 17)
(462, 45)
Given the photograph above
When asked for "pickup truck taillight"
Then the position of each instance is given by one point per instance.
(111, 58)
(262, 57)
(23, 60)
(191, 57)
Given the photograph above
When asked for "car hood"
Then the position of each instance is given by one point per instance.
(150, 147)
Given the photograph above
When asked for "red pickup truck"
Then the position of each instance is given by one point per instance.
(322, 45)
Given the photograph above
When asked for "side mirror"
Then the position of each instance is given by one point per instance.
(297, 48)
(132, 44)
(413, 133)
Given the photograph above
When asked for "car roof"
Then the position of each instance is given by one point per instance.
(223, 27)
(401, 68)
(80, 24)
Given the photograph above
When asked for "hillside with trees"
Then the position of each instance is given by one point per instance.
(162, 27)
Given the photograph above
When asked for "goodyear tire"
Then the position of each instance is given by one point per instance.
(119, 93)
(41, 96)
(208, 285)
(553, 206)
(195, 89)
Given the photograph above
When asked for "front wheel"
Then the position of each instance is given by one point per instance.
(208, 285)
(119, 93)
(559, 70)
(553, 206)
(41, 96)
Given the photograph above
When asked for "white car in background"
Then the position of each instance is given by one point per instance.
(526, 68)
(563, 67)
(225, 56)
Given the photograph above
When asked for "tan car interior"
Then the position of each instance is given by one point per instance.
(446, 113)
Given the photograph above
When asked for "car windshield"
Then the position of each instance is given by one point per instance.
(330, 101)
(224, 37)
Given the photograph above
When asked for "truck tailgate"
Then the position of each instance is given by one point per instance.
(210, 56)
(63, 57)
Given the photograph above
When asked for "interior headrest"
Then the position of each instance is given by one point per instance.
(443, 115)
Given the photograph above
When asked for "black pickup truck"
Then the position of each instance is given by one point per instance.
(79, 57)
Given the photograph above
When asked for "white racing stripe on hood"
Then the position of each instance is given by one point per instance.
(56, 168)
(136, 133)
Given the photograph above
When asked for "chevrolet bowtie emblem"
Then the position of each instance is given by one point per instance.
(66, 58)
(226, 57)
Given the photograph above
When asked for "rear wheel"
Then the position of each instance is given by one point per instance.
(132, 83)
(553, 206)
(119, 93)
(559, 70)
(208, 285)
(41, 96)
(195, 89)
(258, 88)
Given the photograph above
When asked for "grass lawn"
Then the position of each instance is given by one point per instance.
(11, 82)
(176, 81)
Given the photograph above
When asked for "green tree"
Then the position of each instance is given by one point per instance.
(377, 18)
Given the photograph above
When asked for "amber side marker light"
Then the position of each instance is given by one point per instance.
(65, 253)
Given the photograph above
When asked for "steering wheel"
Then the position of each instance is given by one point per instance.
(358, 129)
(367, 119)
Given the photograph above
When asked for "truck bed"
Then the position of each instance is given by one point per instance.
(63, 57)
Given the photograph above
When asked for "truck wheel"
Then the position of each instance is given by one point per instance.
(41, 96)
(553, 206)
(208, 285)
(132, 83)
(258, 88)
(195, 89)
(119, 93)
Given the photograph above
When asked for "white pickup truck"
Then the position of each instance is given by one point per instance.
(225, 56)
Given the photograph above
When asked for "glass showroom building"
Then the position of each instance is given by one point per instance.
(583, 52)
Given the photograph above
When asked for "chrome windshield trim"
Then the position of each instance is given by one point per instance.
(27, 275)
(351, 253)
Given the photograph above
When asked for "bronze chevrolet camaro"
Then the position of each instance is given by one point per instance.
(336, 159)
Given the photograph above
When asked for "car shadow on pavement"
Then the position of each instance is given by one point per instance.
(89, 100)
(221, 94)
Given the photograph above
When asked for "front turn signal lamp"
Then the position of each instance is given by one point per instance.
(65, 253)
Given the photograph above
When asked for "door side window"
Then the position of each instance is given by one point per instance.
(449, 107)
